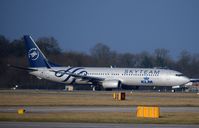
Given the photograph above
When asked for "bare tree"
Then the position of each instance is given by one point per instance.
(49, 45)
(161, 57)
(101, 54)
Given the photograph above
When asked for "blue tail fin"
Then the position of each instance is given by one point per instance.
(35, 57)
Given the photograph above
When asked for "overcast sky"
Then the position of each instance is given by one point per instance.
(124, 25)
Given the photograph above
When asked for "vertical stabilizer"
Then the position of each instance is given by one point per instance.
(35, 57)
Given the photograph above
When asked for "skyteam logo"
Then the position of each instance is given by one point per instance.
(146, 80)
(71, 70)
(33, 54)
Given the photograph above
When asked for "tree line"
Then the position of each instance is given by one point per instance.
(101, 55)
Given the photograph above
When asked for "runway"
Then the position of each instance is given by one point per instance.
(48, 109)
(55, 109)
(87, 125)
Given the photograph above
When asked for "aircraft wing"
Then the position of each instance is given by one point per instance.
(88, 78)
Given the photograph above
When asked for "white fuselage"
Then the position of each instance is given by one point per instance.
(127, 76)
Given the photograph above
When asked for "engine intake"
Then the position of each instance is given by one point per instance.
(111, 84)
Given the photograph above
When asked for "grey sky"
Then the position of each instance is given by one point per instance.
(124, 25)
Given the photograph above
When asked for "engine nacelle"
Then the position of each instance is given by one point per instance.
(111, 84)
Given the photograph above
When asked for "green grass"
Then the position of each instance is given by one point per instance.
(53, 98)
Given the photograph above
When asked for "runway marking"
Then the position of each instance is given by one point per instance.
(87, 125)
(47, 109)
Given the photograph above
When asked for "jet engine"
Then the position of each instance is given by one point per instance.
(109, 84)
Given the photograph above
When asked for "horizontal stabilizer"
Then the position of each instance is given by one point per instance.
(22, 68)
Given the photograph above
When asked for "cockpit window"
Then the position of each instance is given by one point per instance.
(179, 75)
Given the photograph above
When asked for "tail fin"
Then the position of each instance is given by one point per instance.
(35, 57)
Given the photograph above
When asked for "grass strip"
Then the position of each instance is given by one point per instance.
(45, 98)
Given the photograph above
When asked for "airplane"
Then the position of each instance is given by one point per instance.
(107, 77)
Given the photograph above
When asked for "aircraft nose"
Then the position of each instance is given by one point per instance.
(185, 80)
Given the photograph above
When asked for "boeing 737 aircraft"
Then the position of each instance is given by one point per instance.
(109, 78)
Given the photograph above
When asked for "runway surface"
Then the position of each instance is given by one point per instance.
(86, 125)
(48, 109)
